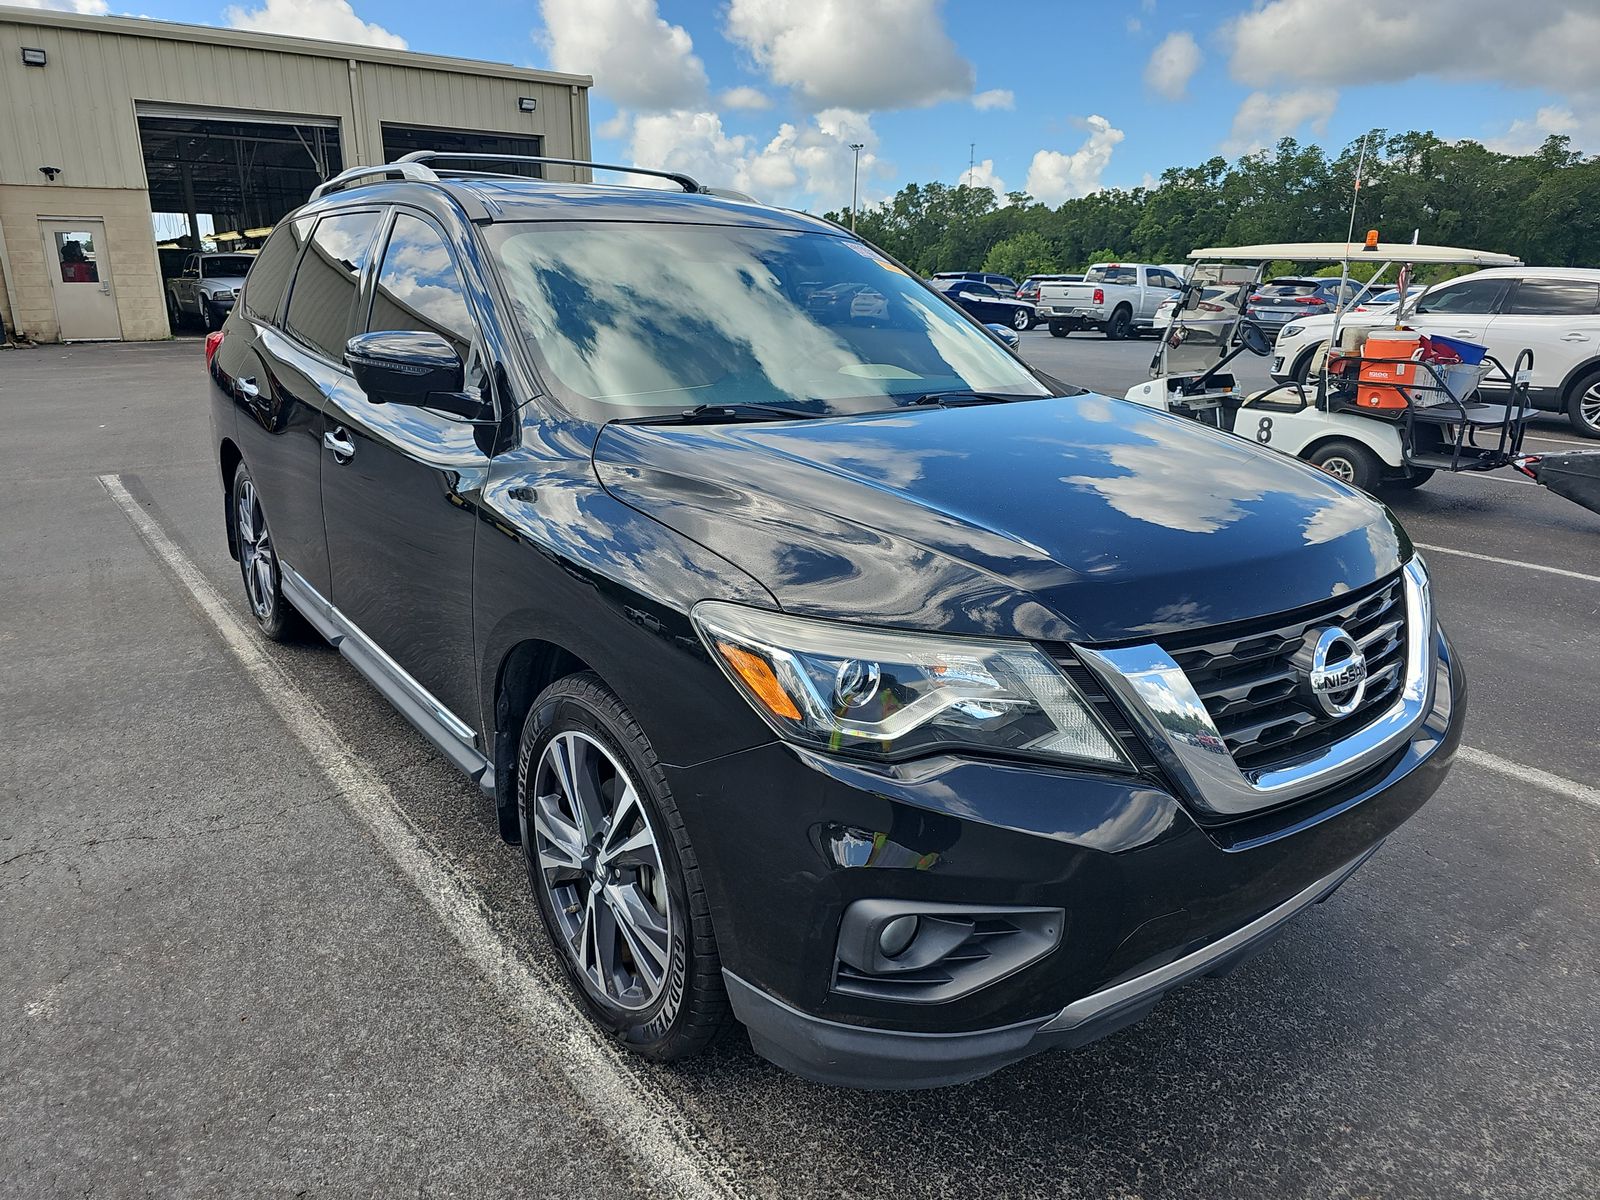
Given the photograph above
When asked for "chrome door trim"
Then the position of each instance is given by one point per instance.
(1168, 711)
(1080, 1012)
(454, 737)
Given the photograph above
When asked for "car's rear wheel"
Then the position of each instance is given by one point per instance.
(616, 880)
(1411, 482)
(1348, 461)
(1021, 320)
(258, 561)
(1583, 406)
(174, 316)
(1120, 325)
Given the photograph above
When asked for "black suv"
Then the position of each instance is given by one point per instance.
(830, 665)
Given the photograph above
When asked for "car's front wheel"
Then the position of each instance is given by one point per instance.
(616, 881)
(1583, 406)
(258, 561)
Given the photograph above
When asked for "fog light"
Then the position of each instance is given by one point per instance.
(897, 934)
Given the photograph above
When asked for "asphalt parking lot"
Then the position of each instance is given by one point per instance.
(260, 939)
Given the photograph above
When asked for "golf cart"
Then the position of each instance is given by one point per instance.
(1382, 406)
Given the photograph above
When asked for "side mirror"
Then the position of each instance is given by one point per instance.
(1005, 335)
(411, 366)
(1254, 340)
(1191, 299)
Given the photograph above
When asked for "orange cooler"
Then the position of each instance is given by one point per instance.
(1382, 384)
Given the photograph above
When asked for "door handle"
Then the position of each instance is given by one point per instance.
(247, 388)
(1575, 337)
(338, 441)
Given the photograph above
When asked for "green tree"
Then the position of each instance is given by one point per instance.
(1021, 255)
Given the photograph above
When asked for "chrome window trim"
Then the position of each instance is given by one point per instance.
(1080, 1012)
(1164, 705)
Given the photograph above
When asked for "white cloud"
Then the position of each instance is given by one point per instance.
(746, 98)
(331, 20)
(1545, 43)
(846, 54)
(982, 175)
(91, 8)
(1172, 64)
(1525, 134)
(994, 98)
(1264, 117)
(1054, 176)
(801, 164)
(636, 58)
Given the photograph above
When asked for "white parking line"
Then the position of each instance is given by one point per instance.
(1508, 562)
(1569, 788)
(645, 1122)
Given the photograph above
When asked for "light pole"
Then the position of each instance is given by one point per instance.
(855, 182)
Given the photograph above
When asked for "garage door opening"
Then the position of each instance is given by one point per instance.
(403, 139)
(218, 183)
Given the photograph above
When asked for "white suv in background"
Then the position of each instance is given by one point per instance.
(1553, 311)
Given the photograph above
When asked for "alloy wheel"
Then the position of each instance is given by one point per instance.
(599, 863)
(1589, 407)
(1019, 320)
(256, 557)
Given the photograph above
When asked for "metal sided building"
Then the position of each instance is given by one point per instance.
(127, 145)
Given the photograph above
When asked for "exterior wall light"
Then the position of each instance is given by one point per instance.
(32, 57)
(526, 103)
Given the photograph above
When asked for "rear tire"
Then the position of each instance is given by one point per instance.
(1021, 320)
(1411, 482)
(174, 316)
(1350, 462)
(1583, 406)
(617, 883)
(1120, 325)
(258, 562)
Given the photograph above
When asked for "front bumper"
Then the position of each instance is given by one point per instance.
(1153, 894)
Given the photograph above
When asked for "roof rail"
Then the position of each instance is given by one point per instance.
(417, 157)
(403, 170)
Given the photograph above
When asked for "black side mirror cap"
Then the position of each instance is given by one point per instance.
(415, 367)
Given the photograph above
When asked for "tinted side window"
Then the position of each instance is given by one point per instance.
(981, 289)
(269, 276)
(324, 289)
(419, 287)
(1473, 296)
(1555, 297)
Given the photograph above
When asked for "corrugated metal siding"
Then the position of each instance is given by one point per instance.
(77, 112)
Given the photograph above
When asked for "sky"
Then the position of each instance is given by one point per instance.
(1057, 98)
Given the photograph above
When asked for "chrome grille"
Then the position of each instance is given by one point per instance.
(1255, 684)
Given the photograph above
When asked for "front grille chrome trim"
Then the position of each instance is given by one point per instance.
(1169, 712)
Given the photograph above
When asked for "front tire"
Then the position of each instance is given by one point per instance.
(1350, 462)
(1021, 320)
(1583, 406)
(1120, 326)
(1057, 329)
(617, 883)
(258, 561)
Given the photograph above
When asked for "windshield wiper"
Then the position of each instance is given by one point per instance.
(965, 399)
(708, 414)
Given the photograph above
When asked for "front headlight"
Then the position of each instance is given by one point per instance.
(221, 294)
(1290, 331)
(894, 695)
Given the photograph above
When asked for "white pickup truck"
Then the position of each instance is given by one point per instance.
(1120, 298)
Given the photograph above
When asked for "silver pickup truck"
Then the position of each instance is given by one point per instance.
(1119, 298)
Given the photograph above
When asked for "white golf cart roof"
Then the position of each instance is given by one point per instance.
(1383, 252)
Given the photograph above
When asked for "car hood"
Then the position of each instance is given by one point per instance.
(1070, 519)
(223, 281)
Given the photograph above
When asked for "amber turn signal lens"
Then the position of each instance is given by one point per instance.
(758, 677)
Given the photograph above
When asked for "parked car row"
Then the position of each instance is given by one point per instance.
(1119, 298)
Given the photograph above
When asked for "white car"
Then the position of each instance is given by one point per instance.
(1553, 311)
(206, 290)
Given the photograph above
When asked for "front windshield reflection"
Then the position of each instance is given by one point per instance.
(633, 318)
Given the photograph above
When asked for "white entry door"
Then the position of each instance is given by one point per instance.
(80, 279)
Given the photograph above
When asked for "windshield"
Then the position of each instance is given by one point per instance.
(629, 319)
(230, 266)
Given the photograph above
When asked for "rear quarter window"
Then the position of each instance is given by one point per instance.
(269, 275)
(1555, 298)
